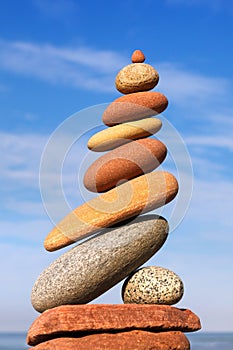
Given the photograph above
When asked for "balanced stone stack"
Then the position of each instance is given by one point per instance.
(124, 238)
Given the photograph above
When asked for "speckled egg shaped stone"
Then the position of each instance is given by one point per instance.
(153, 285)
(136, 77)
(96, 265)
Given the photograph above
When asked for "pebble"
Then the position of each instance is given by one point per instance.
(91, 268)
(142, 194)
(118, 135)
(124, 163)
(134, 106)
(93, 318)
(153, 285)
(130, 340)
(138, 57)
(136, 77)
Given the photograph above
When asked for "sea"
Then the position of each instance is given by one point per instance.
(198, 340)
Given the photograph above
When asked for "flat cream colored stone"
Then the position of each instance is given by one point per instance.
(118, 135)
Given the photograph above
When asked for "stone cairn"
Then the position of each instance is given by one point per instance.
(126, 240)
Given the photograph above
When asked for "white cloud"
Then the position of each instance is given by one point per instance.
(75, 66)
(28, 233)
(30, 207)
(217, 141)
(219, 122)
(20, 159)
(20, 172)
(99, 60)
(211, 205)
(190, 88)
(92, 69)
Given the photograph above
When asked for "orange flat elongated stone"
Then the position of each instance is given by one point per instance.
(134, 106)
(108, 318)
(142, 194)
(124, 163)
(132, 340)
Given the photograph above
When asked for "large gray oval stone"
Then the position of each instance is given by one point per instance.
(91, 268)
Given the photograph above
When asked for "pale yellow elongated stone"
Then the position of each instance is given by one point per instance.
(118, 135)
(140, 195)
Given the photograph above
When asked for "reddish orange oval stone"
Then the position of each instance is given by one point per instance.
(135, 106)
(124, 163)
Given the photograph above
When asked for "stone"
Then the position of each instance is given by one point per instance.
(134, 106)
(153, 285)
(102, 318)
(138, 57)
(124, 163)
(136, 77)
(118, 135)
(130, 340)
(137, 196)
(96, 265)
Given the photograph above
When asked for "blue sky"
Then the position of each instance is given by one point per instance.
(58, 57)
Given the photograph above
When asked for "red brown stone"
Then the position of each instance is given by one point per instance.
(110, 318)
(124, 163)
(134, 106)
(132, 340)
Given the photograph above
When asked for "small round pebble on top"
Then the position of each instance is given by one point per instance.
(138, 57)
(152, 285)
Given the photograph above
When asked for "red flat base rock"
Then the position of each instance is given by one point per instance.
(133, 340)
(92, 318)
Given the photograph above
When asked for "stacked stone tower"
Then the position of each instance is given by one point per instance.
(125, 238)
